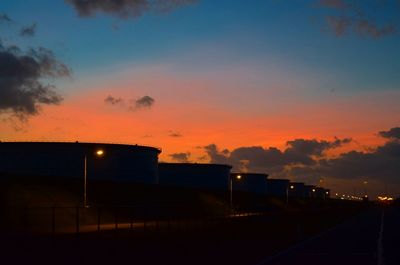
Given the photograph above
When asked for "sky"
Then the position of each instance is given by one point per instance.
(305, 90)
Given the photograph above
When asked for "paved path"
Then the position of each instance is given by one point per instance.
(370, 238)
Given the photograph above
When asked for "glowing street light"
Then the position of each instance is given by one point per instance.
(98, 153)
(238, 177)
(291, 187)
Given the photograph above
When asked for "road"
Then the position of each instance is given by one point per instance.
(370, 238)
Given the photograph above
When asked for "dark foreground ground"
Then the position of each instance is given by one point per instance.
(369, 238)
(352, 238)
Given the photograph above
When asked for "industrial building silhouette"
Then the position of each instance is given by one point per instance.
(138, 164)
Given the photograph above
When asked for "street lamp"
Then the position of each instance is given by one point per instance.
(238, 177)
(365, 187)
(98, 153)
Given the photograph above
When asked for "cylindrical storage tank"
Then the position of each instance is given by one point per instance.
(193, 175)
(320, 193)
(249, 182)
(277, 187)
(113, 162)
(327, 193)
(310, 191)
(297, 190)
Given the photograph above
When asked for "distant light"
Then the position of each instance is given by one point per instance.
(238, 177)
(313, 190)
(327, 192)
(291, 186)
(100, 152)
(365, 182)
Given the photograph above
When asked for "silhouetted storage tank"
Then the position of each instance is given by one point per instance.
(249, 182)
(320, 193)
(115, 162)
(297, 190)
(277, 187)
(310, 191)
(327, 193)
(200, 176)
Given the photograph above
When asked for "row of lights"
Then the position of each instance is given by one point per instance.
(385, 198)
(350, 197)
(239, 177)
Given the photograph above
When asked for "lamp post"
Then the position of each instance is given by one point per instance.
(98, 153)
(238, 177)
(287, 193)
(365, 188)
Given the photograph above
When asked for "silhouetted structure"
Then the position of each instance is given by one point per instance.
(310, 191)
(200, 176)
(297, 190)
(321, 193)
(278, 187)
(114, 162)
(327, 193)
(250, 182)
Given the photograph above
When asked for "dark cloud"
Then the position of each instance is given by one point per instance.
(303, 151)
(145, 102)
(393, 133)
(112, 100)
(180, 157)
(174, 134)
(215, 155)
(384, 163)
(28, 31)
(305, 159)
(344, 16)
(24, 77)
(124, 9)
(270, 160)
(5, 18)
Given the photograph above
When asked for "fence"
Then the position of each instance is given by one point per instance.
(69, 220)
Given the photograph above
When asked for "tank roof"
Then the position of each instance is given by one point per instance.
(250, 174)
(83, 144)
(195, 164)
(297, 183)
(279, 180)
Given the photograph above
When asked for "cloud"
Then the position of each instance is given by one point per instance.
(313, 147)
(306, 159)
(22, 76)
(175, 134)
(393, 133)
(124, 9)
(180, 157)
(28, 31)
(272, 160)
(5, 18)
(112, 100)
(343, 17)
(338, 25)
(145, 102)
(215, 155)
(383, 163)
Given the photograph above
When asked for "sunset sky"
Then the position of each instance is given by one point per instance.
(306, 90)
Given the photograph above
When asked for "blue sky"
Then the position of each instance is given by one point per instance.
(288, 32)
